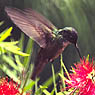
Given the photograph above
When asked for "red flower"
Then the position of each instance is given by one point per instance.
(82, 78)
(8, 88)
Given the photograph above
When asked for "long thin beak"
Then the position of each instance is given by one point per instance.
(77, 48)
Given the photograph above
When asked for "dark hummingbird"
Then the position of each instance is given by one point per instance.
(52, 41)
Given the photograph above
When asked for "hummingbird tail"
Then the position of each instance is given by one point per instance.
(37, 70)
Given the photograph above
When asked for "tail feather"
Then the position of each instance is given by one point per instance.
(38, 69)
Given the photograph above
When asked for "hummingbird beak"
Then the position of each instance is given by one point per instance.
(77, 48)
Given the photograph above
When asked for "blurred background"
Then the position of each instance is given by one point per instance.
(79, 14)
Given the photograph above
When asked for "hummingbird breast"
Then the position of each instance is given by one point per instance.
(53, 50)
(48, 54)
(57, 50)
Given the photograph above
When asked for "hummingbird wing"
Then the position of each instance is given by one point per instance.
(32, 24)
(39, 17)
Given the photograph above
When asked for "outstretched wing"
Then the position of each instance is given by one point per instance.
(32, 24)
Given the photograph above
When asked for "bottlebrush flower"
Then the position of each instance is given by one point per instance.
(82, 78)
(8, 88)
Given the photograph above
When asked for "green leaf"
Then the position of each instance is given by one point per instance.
(11, 46)
(29, 51)
(17, 59)
(54, 80)
(46, 92)
(10, 73)
(5, 34)
(29, 86)
(62, 65)
(10, 61)
(1, 23)
(52, 92)
(21, 41)
(87, 58)
(60, 93)
(41, 89)
(62, 72)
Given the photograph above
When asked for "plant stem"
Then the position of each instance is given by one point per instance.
(53, 73)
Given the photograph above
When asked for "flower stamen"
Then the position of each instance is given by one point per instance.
(92, 76)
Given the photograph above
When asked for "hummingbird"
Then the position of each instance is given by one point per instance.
(52, 41)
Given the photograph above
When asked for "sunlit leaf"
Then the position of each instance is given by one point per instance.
(5, 34)
(11, 46)
(60, 93)
(52, 92)
(87, 58)
(46, 92)
(29, 86)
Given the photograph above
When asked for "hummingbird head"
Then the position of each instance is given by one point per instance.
(69, 34)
